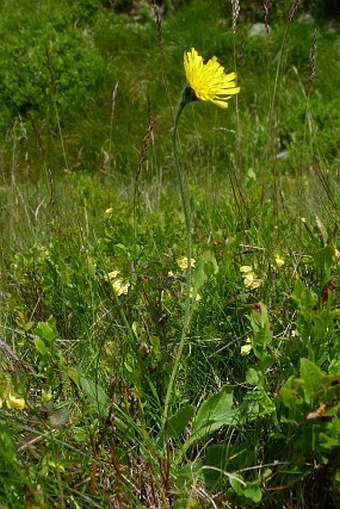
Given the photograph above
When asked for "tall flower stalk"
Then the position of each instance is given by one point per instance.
(205, 82)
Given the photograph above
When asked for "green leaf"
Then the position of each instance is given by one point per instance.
(95, 393)
(46, 331)
(179, 420)
(210, 263)
(40, 346)
(252, 376)
(262, 333)
(323, 258)
(237, 483)
(312, 377)
(214, 413)
(60, 417)
(225, 458)
(253, 492)
(199, 278)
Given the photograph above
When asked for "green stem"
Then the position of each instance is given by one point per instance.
(188, 301)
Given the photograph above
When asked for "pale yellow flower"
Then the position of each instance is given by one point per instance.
(279, 261)
(250, 279)
(208, 81)
(251, 282)
(197, 296)
(246, 269)
(336, 253)
(14, 402)
(246, 349)
(109, 212)
(111, 275)
(182, 262)
(120, 287)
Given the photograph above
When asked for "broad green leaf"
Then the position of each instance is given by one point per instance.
(224, 458)
(210, 263)
(214, 408)
(237, 483)
(323, 258)
(253, 492)
(252, 376)
(95, 393)
(46, 330)
(179, 420)
(40, 346)
(312, 377)
(214, 413)
(60, 417)
(199, 278)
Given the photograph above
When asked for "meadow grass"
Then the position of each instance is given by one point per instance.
(93, 291)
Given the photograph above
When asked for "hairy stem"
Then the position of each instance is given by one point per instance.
(188, 300)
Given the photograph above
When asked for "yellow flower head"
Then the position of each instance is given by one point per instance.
(208, 81)
(110, 276)
(120, 287)
(279, 261)
(250, 279)
(245, 349)
(14, 402)
(182, 262)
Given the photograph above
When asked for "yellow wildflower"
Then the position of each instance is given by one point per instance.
(252, 282)
(182, 262)
(336, 253)
(250, 279)
(279, 261)
(14, 402)
(120, 287)
(246, 349)
(111, 275)
(109, 212)
(246, 269)
(196, 295)
(209, 81)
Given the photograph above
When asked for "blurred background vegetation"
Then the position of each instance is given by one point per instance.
(59, 65)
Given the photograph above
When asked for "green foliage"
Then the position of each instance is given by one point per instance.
(254, 416)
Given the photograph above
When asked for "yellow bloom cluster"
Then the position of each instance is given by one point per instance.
(279, 261)
(208, 81)
(246, 349)
(250, 279)
(182, 262)
(119, 286)
(12, 401)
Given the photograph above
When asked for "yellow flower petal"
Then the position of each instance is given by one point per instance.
(209, 81)
(120, 287)
(251, 282)
(111, 275)
(182, 262)
(246, 349)
(246, 269)
(279, 261)
(14, 402)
